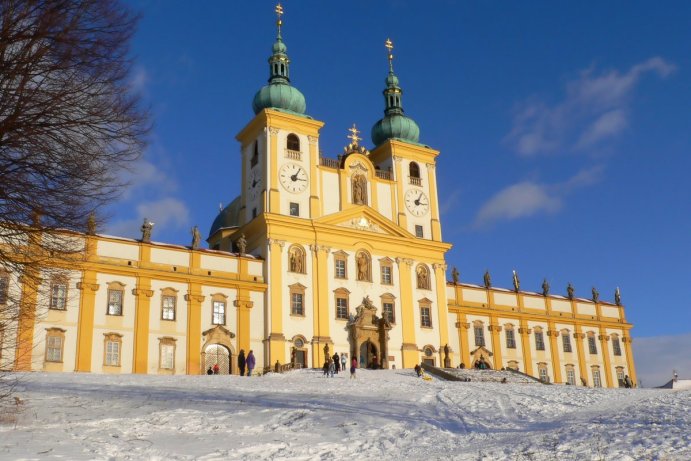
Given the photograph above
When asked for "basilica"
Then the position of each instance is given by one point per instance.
(316, 254)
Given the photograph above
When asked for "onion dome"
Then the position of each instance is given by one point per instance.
(279, 94)
(394, 125)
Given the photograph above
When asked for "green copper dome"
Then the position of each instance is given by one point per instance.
(279, 94)
(395, 127)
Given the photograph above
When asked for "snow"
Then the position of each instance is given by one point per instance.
(385, 414)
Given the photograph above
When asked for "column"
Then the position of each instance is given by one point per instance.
(627, 340)
(553, 334)
(434, 206)
(579, 336)
(142, 297)
(442, 305)
(320, 304)
(194, 300)
(524, 331)
(85, 327)
(315, 180)
(400, 206)
(605, 356)
(409, 349)
(276, 338)
(494, 330)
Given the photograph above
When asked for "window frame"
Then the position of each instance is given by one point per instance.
(112, 338)
(215, 314)
(297, 292)
(294, 206)
(566, 343)
(479, 338)
(510, 337)
(341, 257)
(419, 231)
(113, 288)
(57, 282)
(53, 334)
(164, 343)
(426, 308)
(293, 142)
(539, 346)
(169, 293)
(592, 344)
(597, 378)
(341, 301)
(616, 346)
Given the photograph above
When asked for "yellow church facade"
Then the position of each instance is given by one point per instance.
(315, 255)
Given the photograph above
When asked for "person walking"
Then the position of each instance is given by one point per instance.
(325, 368)
(250, 362)
(353, 366)
(241, 362)
(343, 362)
(332, 367)
(216, 369)
(337, 363)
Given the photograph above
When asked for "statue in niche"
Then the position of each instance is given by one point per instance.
(362, 267)
(295, 260)
(422, 280)
(570, 291)
(516, 282)
(487, 279)
(455, 275)
(617, 297)
(545, 287)
(196, 237)
(596, 295)
(359, 184)
(242, 244)
(147, 227)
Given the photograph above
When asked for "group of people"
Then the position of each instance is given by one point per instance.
(333, 365)
(244, 363)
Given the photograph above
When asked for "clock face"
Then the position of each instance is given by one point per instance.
(254, 184)
(417, 202)
(293, 178)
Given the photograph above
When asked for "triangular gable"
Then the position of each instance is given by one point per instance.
(365, 219)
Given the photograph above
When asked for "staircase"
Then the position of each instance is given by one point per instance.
(491, 376)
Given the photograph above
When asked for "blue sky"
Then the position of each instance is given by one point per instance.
(563, 127)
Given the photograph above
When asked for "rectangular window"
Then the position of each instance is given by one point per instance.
(571, 376)
(616, 347)
(341, 308)
(389, 314)
(4, 286)
(113, 353)
(425, 318)
(53, 349)
(510, 340)
(479, 335)
(566, 341)
(544, 377)
(418, 231)
(592, 347)
(620, 377)
(539, 341)
(294, 209)
(340, 269)
(596, 378)
(58, 296)
(297, 306)
(219, 315)
(167, 356)
(168, 308)
(115, 302)
(386, 275)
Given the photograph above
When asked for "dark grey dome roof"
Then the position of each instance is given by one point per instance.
(227, 217)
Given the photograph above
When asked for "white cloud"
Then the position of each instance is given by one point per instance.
(657, 356)
(139, 80)
(528, 198)
(146, 175)
(167, 212)
(593, 110)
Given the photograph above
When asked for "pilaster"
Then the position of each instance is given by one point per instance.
(243, 306)
(494, 330)
(272, 158)
(579, 336)
(194, 300)
(276, 336)
(553, 334)
(321, 303)
(142, 297)
(604, 338)
(434, 199)
(463, 326)
(627, 340)
(524, 331)
(409, 349)
(85, 327)
(442, 305)
(315, 179)
(400, 206)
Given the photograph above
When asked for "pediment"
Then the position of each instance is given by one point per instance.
(364, 218)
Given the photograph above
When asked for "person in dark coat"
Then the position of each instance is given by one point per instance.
(418, 370)
(251, 362)
(353, 366)
(325, 368)
(337, 363)
(210, 371)
(241, 362)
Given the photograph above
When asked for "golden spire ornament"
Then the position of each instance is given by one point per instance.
(354, 135)
(389, 46)
(279, 13)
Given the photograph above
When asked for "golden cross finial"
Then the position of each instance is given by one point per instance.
(389, 46)
(279, 13)
(354, 135)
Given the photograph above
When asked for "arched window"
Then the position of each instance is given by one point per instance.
(293, 142)
(422, 277)
(296, 262)
(414, 170)
(255, 155)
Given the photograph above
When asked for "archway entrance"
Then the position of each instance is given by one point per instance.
(369, 355)
(216, 354)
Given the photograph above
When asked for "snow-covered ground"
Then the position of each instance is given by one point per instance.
(387, 414)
